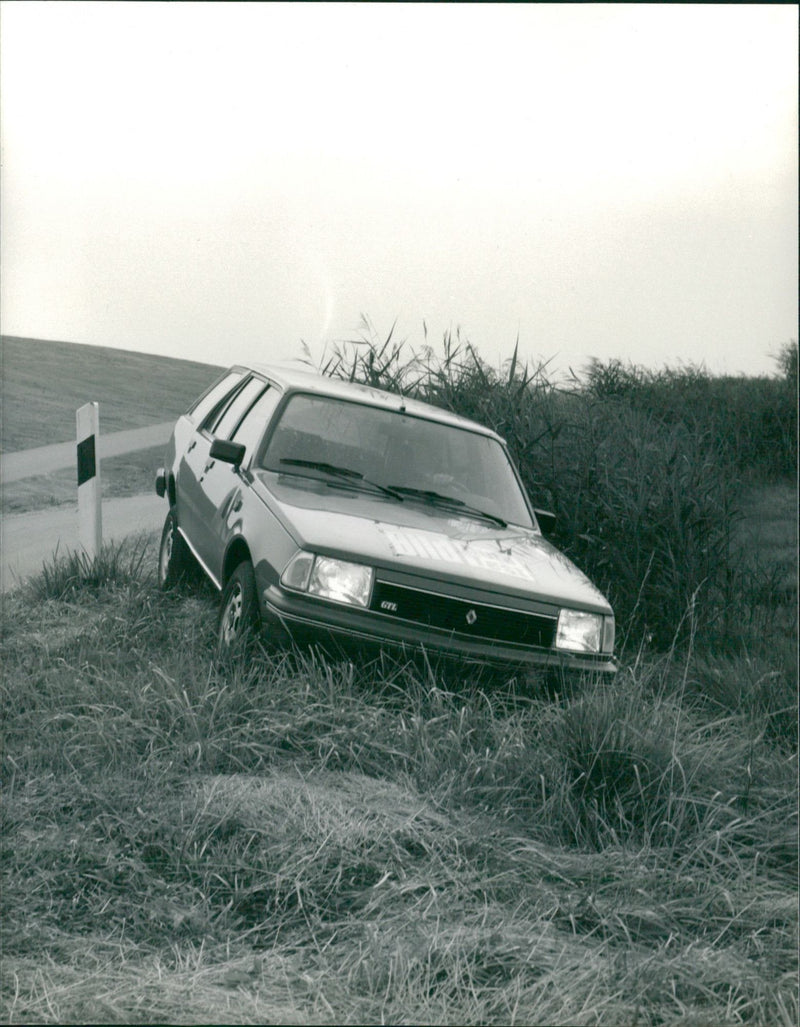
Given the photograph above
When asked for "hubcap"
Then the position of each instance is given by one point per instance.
(232, 619)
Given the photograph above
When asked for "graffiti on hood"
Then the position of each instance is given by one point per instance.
(514, 557)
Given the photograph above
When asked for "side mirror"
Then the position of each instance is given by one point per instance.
(546, 519)
(227, 452)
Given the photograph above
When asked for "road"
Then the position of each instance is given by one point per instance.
(44, 459)
(27, 540)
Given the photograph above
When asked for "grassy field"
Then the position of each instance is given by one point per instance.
(289, 839)
(130, 475)
(44, 383)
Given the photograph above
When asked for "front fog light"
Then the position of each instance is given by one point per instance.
(341, 581)
(581, 632)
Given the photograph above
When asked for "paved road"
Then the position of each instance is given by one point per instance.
(44, 459)
(27, 540)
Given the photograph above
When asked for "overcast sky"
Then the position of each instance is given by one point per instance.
(222, 181)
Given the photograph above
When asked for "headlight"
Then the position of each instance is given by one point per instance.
(581, 632)
(343, 582)
(327, 578)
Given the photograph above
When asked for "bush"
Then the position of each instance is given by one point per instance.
(753, 421)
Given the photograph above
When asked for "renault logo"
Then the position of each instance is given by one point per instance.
(471, 617)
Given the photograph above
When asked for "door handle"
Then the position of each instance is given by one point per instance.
(191, 445)
(208, 466)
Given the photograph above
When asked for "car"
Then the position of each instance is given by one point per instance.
(333, 512)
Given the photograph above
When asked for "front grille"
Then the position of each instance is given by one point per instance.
(473, 620)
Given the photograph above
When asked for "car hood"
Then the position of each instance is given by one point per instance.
(426, 540)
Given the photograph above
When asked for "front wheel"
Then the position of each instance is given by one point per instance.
(175, 561)
(239, 618)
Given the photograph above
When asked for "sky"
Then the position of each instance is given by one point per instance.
(227, 182)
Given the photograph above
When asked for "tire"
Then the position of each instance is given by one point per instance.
(239, 619)
(175, 560)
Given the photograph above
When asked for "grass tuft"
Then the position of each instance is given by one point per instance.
(67, 575)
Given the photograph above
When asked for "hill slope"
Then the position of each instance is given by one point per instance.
(44, 382)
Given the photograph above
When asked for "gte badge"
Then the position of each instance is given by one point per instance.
(471, 617)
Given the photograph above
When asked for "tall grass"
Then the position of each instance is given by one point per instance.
(287, 839)
(753, 419)
(76, 574)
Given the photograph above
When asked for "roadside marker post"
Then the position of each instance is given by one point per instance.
(90, 519)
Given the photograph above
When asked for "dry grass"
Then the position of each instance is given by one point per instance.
(768, 532)
(290, 840)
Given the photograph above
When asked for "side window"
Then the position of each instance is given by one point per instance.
(215, 396)
(255, 422)
(228, 422)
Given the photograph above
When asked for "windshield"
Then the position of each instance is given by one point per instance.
(318, 436)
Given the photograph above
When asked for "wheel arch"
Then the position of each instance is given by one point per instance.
(172, 492)
(238, 551)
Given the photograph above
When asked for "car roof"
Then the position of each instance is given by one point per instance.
(293, 378)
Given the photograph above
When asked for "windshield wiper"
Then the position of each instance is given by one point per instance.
(320, 465)
(437, 498)
(351, 477)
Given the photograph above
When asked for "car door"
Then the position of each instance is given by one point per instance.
(220, 483)
(194, 454)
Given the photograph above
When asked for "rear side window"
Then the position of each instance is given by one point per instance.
(228, 421)
(256, 420)
(215, 396)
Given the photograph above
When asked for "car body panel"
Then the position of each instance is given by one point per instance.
(193, 507)
(219, 492)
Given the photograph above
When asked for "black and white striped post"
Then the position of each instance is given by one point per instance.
(90, 520)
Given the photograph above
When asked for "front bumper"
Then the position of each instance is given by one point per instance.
(308, 619)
